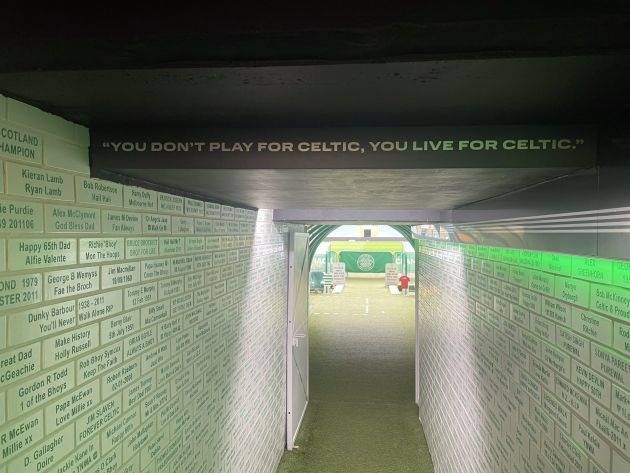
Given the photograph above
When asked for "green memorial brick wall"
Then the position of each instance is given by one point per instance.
(139, 331)
(524, 359)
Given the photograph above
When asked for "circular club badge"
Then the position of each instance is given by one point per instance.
(365, 262)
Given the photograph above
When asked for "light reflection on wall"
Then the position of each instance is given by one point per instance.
(447, 343)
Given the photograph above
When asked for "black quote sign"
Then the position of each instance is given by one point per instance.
(344, 148)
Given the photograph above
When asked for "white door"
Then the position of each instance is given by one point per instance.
(297, 335)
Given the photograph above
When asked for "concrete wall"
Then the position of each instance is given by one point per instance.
(139, 331)
(524, 359)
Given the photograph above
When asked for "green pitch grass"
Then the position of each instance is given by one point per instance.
(362, 417)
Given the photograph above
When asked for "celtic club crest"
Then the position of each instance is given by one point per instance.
(365, 262)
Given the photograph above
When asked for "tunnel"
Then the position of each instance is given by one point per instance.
(167, 175)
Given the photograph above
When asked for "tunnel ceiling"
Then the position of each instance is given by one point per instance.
(430, 63)
(105, 37)
(534, 90)
(425, 63)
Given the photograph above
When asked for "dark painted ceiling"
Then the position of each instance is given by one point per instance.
(424, 63)
(111, 36)
(585, 89)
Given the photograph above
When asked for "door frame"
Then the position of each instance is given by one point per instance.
(289, 340)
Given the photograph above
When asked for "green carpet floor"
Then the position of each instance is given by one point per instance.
(361, 417)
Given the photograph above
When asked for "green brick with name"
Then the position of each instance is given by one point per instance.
(519, 276)
(141, 247)
(557, 311)
(98, 250)
(559, 360)
(38, 183)
(610, 363)
(591, 442)
(36, 392)
(573, 397)
(172, 245)
(122, 274)
(21, 290)
(138, 198)
(213, 210)
(21, 217)
(116, 431)
(531, 300)
(115, 328)
(621, 273)
(98, 192)
(169, 203)
(576, 455)
(49, 452)
(85, 455)
(592, 325)
(19, 364)
(510, 256)
(140, 295)
(621, 337)
(155, 268)
(19, 436)
(71, 282)
(195, 244)
(194, 207)
(154, 224)
(494, 253)
(182, 225)
(41, 321)
(610, 427)
(116, 221)
(71, 219)
(98, 418)
(592, 269)
(542, 282)
(20, 144)
(611, 300)
(118, 379)
(27, 254)
(227, 213)
(620, 405)
(71, 406)
(556, 263)
(68, 345)
(591, 382)
(574, 344)
(482, 252)
(574, 291)
(530, 259)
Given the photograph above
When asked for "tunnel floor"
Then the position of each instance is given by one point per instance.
(361, 415)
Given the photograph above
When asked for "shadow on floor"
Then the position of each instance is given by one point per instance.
(361, 416)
